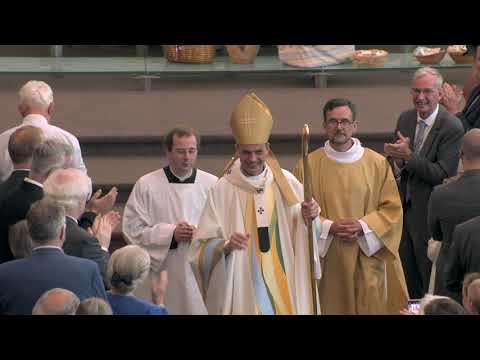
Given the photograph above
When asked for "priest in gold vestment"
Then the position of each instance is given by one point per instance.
(360, 223)
(250, 253)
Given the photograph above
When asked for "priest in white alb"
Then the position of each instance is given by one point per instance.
(360, 222)
(250, 252)
(161, 215)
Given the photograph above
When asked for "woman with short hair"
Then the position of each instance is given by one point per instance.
(127, 268)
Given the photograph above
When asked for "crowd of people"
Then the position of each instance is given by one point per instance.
(379, 232)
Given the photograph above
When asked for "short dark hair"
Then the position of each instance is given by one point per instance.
(444, 306)
(337, 102)
(179, 132)
(23, 142)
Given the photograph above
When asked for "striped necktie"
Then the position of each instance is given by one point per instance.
(422, 126)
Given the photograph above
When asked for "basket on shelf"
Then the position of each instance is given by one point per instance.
(371, 57)
(460, 58)
(190, 54)
(242, 54)
(431, 59)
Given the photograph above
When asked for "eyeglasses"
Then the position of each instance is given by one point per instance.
(427, 91)
(343, 122)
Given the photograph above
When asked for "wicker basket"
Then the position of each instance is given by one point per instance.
(369, 60)
(242, 54)
(191, 54)
(431, 59)
(460, 58)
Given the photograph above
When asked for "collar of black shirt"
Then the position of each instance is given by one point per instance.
(175, 180)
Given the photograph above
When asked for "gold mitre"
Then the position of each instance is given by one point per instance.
(251, 121)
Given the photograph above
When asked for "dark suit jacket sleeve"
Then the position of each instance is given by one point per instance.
(464, 121)
(98, 287)
(470, 115)
(454, 269)
(433, 215)
(446, 162)
(92, 250)
(87, 219)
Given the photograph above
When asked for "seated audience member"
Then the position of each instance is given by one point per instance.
(23, 281)
(71, 189)
(94, 306)
(442, 305)
(437, 305)
(56, 302)
(19, 240)
(468, 279)
(36, 108)
(472, 303)
(128, 267)
(21, 145)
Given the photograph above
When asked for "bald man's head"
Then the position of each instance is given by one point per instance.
(56, 302)
(471, 145)
(23, 142)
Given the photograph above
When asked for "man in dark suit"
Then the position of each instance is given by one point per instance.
(454, 203)
(48, 156)
(21, 145)
(70, 188)
(425, 152)
(470, 115)
(22, 282)
(463, 257)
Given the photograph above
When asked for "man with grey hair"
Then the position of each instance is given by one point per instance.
(56, 302)
(71, 189)
(47, 157)
(36, 108)
(425, 151)
(22, 282)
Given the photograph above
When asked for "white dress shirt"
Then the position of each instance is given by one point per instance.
(50, 132)
(429, 121)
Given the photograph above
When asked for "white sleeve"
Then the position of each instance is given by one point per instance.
(321, 231)
(140, 229)
(77, 161)
(369, 243)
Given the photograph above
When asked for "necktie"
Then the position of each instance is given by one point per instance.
(422, 126)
